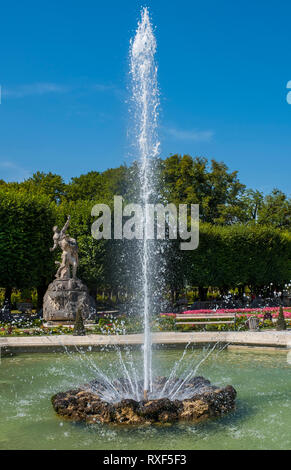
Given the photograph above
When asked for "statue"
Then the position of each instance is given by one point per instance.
(67, 295)
(69, 247)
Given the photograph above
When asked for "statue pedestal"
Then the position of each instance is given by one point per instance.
(63, 298)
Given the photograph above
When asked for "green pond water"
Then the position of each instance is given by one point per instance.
(262, 419)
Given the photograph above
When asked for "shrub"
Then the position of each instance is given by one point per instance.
(281, 323)
(79, 328)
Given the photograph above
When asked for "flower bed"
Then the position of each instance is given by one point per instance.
(122, 324)
(8, 330)
(242, 315)
(260, 312)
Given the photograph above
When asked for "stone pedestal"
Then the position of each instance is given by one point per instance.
(63, 298)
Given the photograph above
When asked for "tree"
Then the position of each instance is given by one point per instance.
(85, 187)
(253, 201)
(92, 259)
(50, 184)
(25, 237)
(116, 180)
(95, 186)
(193, 181)
(276, 210)
(239, 256)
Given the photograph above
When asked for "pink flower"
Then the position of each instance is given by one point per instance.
(240, 311)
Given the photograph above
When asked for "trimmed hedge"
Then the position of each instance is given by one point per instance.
(239, 255)
(26, 222)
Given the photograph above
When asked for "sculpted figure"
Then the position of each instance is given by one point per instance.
(69, 249)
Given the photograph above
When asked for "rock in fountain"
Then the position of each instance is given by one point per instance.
(198, 400)
(66, 294)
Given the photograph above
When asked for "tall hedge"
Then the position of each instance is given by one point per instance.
(26, 222)
(239, 255)
(227, 257)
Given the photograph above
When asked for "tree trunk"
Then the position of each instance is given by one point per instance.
(241, 290)
(41, 290)
(223, 290)
(202, 293)
(172, 296)
(7, 295)
(93, 292)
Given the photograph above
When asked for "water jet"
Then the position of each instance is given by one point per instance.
(131, 399)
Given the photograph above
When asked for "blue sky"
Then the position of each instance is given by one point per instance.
(223, 72)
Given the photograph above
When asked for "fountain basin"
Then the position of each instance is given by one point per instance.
(197, 400)
(262, 379)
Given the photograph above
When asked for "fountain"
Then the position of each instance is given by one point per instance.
(131, 399)
(145, 100)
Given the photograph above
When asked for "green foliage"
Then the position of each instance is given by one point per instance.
(276, 210)
(95, 186)
(252, 201)
(243, 235)
(49, 184)
(230, 257)
(194, 181)
(281, 322)
(116, 180)
(25, 235)
(85, 187)
(34, 328)
(164, 324)
(122, 324)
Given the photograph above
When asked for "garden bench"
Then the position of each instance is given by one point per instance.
(208, 319)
